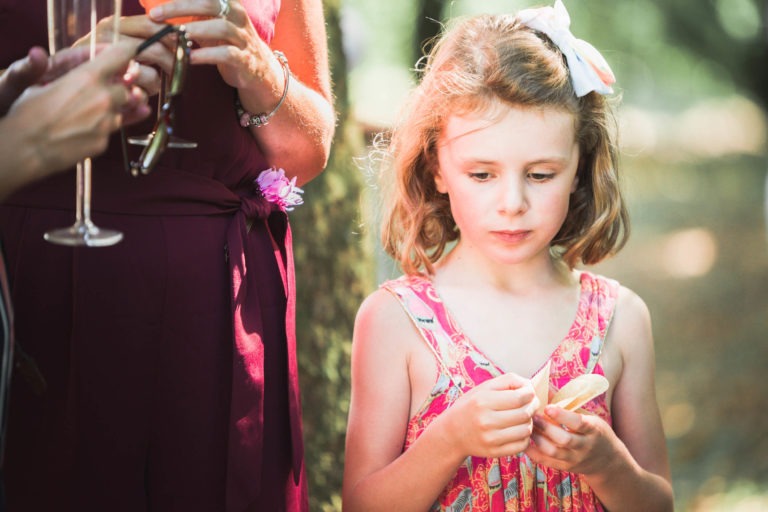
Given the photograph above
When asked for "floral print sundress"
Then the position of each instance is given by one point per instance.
(512, 483)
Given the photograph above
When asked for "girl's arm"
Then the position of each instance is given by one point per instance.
(494, 418)
(627, 467)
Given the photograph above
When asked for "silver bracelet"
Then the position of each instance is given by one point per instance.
(246, 118)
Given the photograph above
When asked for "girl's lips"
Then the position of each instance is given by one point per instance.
(512, 236)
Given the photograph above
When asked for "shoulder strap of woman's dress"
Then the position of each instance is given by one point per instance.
(605, 292)
(429, 316)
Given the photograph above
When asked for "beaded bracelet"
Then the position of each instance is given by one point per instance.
(246, 118)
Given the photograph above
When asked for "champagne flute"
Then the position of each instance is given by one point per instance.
(68, 22)
(174, 140)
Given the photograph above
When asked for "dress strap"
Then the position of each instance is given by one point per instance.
(602, 304)
(429, 315)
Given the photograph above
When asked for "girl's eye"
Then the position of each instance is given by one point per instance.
(480, 176)
(540, 176)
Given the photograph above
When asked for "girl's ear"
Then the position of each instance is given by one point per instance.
(575, 184)
(439, 181)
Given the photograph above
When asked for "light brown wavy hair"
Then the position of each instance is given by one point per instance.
(478, 63)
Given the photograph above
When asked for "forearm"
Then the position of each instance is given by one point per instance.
(625, 486)
(412, 482)
(298, 136)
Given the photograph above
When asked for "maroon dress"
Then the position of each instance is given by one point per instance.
(167, 371)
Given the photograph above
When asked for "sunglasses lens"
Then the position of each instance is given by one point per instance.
(180, 64)
(163, 131)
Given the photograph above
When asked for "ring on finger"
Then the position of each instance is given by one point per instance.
(223, 8)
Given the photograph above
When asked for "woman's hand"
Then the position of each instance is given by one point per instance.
(75, 114)
(229, 42)
(299, 136)
(159, 56)
(51, 126)
(493, 419)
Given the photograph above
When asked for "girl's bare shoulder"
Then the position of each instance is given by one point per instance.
(631, 329)
(381, 319)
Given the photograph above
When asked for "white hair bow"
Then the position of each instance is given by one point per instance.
(589, 70)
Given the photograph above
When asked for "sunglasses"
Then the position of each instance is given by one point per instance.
(163, 129)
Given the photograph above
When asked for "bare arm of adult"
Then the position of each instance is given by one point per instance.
(298, 137)
(492, 419)
(627, 466)
(52, 126)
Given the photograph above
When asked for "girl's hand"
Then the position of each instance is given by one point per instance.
(231, 42)
(569, 441)
(493, 419)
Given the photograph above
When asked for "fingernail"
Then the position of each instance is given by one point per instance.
(156, 13)
(131, 73)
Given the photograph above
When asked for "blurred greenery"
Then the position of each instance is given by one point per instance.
(694, 86)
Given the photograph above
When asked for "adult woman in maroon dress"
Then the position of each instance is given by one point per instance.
(164, 374)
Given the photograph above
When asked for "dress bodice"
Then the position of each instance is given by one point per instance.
(509, 483)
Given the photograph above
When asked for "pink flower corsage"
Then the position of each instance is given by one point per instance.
(277, 188)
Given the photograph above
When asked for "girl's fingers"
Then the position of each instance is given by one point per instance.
(514, 439)
(508, 380)
(522, 399)
(572, 421)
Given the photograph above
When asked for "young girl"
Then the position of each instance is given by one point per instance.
(506, 151)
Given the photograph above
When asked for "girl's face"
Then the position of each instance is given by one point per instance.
(509, 173)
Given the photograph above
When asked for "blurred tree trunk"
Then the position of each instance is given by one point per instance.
(429, 15)
(333, 273)
(696, 26)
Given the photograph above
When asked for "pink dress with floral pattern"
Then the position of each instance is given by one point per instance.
(512, 483)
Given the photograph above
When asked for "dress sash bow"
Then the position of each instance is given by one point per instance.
(247, 402)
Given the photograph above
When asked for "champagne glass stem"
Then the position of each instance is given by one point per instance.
(64, 27)
(86, 189)
(80, 209)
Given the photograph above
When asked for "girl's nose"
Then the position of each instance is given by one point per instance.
(513, 198)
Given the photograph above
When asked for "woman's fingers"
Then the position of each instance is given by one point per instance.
(148, 78)
(140, 28)
(216, 55)
(203, 8)
(137, 108)
(20, 75)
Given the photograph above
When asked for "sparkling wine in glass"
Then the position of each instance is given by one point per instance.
(71, 21)
(174, 141)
